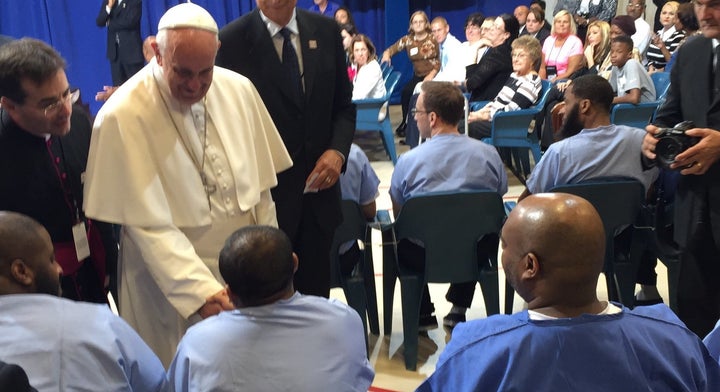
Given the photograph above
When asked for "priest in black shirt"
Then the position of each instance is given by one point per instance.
(43, 153)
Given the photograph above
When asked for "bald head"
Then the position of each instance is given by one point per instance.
(27, 263)
(563, 235)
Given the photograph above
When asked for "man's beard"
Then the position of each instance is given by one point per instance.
(571, 123)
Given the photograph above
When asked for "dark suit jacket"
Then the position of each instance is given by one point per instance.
(324, 120)
(486, 78)
(123, 28)
(690, 97)
(540, 35)
(13, 378)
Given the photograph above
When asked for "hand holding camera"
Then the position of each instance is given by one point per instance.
(673, 141)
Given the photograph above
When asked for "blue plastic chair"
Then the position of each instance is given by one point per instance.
(368, 111)
(450, 226)
(386, 69)
(510, 129)
(642, 114)
(619, 203)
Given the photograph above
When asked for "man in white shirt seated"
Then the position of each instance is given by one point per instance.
(276, 339)
(641, 38)
(569, 340)
(62, 344)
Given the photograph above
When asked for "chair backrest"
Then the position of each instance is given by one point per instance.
(637, 116)
(386, 69)
(617, 200)
(661, 80)
(450, 226)
(391, 82)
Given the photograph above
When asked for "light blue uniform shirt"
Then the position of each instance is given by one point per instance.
(608, 151)
(65, 345)
(304, 343)
(359, 183)
(448, 163)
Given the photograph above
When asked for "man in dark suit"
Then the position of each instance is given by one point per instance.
(316, 120)
(697, 201)
(487, 77)
(124, 45)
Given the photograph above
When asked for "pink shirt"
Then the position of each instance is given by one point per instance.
(559, 56)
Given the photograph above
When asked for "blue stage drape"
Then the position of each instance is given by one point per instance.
(69, 26)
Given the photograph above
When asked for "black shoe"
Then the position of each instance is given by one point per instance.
(400, 130)
(648, 302)
(427, 322)
(453, 319)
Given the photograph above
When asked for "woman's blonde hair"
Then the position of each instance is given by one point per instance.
(560, 14)
(601, 49)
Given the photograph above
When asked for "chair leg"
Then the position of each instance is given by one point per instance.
(411, 289)
(389, 277)
(389, 140)
(370, 291)
(354, 289)
(491, 290)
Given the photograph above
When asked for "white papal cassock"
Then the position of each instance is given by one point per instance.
(146, 156)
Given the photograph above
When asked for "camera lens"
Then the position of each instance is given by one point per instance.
(666, 150)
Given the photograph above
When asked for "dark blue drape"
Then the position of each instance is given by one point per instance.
(69, 26)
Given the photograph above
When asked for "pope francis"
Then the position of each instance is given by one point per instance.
(182, 155)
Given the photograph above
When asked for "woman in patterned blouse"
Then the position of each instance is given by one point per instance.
(424, 52)
(666, 40)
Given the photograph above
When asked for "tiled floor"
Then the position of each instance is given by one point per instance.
(386, 352)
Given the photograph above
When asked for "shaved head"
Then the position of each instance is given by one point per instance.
(27, 262)
(563, 235)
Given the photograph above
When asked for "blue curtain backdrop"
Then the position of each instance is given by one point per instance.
(69, 26)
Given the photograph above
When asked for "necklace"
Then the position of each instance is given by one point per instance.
(199, 163)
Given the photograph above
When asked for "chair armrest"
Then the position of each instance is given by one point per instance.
(369, 101)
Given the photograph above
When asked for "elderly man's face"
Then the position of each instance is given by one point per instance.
(635, 8)
(188, 62)
(708, 15)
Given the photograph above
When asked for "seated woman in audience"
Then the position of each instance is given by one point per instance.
(521, 90)
(344, 17)
(368, 82)
(466, 54)
(423, 51)
(485, 79)
(562, 50)
(687, 23)
(597, 44)
(664, 43)
(535, 25)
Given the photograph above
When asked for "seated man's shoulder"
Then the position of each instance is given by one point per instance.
(660, 313)
(484, 330)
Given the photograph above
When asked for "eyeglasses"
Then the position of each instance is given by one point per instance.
(53, 108)
(415, 111)
(635, 6)
(713, 5)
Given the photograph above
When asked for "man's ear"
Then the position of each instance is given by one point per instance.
(531, 268)
(7, 103)
(22, 273)
(296, 262)
(584, 105)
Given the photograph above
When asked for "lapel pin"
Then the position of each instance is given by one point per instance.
(312, 44)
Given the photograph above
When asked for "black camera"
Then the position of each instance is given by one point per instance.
(673, 141)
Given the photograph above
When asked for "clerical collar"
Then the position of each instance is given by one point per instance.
(274, 28)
